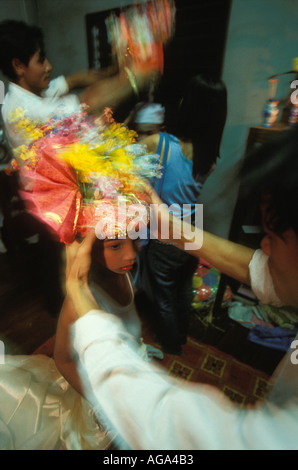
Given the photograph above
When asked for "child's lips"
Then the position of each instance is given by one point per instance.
(127, 268)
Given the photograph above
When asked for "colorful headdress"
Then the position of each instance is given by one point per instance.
(72, 164)
(140, 32)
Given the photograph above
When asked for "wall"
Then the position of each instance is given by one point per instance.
(63, 23)
(21, 10)
(262, 41)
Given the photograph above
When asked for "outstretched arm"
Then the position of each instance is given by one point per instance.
(86, 78)
(228, 257)
(114, 90)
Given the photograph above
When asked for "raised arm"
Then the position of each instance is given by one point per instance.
(86, 78)
(78, 302)
(228, 257)
(113, 90)
(63, 353)
(78, 262)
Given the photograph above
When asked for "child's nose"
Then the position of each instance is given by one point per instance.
(48, 66)
(130, 252)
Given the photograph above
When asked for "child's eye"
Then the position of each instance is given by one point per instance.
(115, 246)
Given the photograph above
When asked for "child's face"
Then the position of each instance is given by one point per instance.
(117, 255)
(35, 77)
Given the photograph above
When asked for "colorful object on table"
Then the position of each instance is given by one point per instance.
(270, 112)
(293, 115)
(138, 35)
(71, 164)
(205, 285)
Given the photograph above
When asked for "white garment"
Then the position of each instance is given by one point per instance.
(151, 411)
(55, 102)
(127, 313)
(39, 410)
(261, 281)
(128, 316)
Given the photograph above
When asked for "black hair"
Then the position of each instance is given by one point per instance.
(201, 119)
(271, 172)
(18, 41)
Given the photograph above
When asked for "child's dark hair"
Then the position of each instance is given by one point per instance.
(271, 172)
(201, 119)
(18, 41)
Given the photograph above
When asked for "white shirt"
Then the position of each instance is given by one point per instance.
(127, 313)
(54, 102)
(261, 281)
(151, 411)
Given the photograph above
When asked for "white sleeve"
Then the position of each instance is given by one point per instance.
(151, 411)
(57, 87)
(53, 103)
(57, 101)
(261, 280)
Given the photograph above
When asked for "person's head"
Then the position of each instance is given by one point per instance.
(119, 224)
(147, 119)
(201, 120)
(272, 172)
(22, 56)
(117, 255)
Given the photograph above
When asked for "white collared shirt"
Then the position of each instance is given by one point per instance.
(54, 102)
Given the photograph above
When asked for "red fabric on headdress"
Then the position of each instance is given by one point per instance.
(55, 197)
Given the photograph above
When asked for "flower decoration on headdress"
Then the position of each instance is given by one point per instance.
(138, 35)
(75, 162)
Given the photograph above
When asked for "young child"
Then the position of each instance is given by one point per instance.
(111, 284)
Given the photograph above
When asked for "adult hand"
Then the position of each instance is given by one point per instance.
(78, 258)
(167, 228)
(161, 220)
(78, 261)
(145, 76)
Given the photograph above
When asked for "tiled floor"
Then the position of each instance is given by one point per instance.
(231, 338)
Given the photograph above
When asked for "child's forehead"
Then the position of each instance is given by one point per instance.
(114, 239)
(106, 241)
(117, 239)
